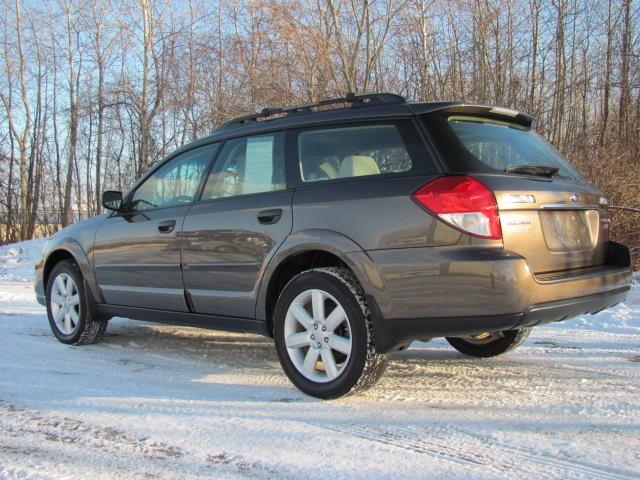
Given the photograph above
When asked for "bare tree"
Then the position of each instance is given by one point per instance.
(19, 134)
(94, 92)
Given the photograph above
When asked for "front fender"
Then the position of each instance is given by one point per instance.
(328, 241)
(72, 247)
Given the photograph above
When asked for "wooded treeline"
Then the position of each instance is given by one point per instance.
(95, 91)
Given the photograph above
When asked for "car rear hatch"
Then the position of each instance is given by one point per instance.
(548, 213)
(556, 225)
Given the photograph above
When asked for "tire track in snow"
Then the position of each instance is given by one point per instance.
(65, 430)
(246, 467)
(465, 449)
(395, 437)
(126, 453)
(566, 467)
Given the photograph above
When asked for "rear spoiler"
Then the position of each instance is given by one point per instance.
(497, 113)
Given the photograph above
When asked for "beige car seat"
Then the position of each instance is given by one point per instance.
(357, 166)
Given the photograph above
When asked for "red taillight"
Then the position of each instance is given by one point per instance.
(463, 202)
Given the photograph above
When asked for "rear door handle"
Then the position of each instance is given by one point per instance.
(166, 226)
(269, 217)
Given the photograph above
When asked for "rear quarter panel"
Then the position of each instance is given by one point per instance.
(375, 214)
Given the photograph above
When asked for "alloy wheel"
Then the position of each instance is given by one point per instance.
(65, 304)
(318, 335)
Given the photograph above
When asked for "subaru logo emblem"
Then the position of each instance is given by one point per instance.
(574, 197)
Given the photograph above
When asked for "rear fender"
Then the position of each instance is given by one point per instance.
(328, 241)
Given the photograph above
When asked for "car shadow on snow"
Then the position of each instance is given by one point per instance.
(196, 364)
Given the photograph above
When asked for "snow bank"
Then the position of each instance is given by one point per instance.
(18, 259)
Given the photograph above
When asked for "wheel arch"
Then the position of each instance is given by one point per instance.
(55, 257)
(68, 249)
(303, 251)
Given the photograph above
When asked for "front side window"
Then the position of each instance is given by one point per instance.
(356, 151)
(247, 165)
(176, 182)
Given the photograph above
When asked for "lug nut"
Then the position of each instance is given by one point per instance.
(319, 345)
(326, 339)
(313, 336)
(315, 326)
(324, 329)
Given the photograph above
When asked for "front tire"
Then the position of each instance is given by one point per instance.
(490, 344)
(324, 334)
(68, 307)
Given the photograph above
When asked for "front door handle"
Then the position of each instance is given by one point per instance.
(269, 217)
(166, 226)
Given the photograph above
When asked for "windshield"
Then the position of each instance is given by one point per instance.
(474, 144)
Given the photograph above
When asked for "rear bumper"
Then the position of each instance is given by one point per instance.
(426, 293)
(392, 334)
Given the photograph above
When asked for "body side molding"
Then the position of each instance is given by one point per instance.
(186, 319)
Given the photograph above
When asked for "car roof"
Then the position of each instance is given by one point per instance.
(294, 120)
(369, 107)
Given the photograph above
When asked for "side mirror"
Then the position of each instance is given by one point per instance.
(112, 200)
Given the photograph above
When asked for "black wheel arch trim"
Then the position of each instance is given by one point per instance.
(324, 240)
(75, 250)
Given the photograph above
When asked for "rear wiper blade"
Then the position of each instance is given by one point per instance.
(539, 170)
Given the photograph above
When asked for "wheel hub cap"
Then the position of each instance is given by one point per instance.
(318, 335)
(65, 304)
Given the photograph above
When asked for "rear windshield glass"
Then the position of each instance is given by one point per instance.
(473, 144)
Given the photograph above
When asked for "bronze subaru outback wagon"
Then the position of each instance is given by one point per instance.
(345, 229)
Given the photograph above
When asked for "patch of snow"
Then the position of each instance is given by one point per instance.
(18, 259)
(176, 402)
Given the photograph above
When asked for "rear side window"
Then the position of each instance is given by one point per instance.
(354, 151)
(476, 144)
(247, 165)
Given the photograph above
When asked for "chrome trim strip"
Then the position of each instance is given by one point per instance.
(568, 206)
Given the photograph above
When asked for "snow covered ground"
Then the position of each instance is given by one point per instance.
(164, 402)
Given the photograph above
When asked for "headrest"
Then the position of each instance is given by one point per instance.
(357, 166)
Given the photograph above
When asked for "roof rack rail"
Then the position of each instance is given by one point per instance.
(372, 99)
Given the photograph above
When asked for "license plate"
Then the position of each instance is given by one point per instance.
(569, 230)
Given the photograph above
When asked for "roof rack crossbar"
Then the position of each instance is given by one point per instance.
(350, 98)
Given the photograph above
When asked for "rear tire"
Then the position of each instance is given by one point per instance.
(69, 307)
(326, 353)
(495, 344)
